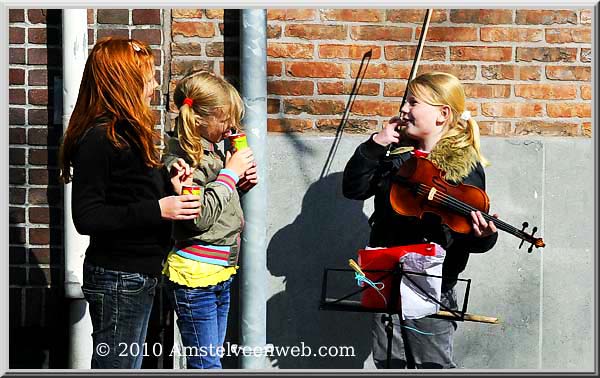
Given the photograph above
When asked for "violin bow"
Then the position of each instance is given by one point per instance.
(416, 60)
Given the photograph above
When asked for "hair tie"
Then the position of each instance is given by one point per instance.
(466, 115)
(188, 101)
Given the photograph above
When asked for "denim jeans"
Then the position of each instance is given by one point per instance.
(120, 304)
(202, 321)
(429, 351)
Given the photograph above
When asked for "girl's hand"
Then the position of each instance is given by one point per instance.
(184, 207)
(181, 174)
(240, 161)
(250, 178)
(388, 134)
(482, 228)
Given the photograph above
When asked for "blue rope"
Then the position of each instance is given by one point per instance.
(418, 331)
(362, 278)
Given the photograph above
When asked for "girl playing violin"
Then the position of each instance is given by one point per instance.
(434, 124)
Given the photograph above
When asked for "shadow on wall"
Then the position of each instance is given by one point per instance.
(329, 230)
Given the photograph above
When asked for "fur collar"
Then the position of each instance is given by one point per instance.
(457, 162)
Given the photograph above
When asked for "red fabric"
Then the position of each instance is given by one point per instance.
(420, 153)
(385, 259)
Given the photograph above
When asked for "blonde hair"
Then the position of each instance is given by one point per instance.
(440, 88)
(211, 95)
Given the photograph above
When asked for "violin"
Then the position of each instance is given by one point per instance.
(421, 188)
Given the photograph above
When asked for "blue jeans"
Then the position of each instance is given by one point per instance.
(120, 304)
(202, 321)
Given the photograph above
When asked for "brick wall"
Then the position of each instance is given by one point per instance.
(38, 312)
(525, 71)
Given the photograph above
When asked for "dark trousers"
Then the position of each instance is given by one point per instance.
(429, 340)
(120, 304)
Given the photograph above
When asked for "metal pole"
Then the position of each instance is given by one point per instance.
(75, 45)
(253, 298)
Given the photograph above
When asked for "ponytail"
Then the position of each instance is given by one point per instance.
(188, 134)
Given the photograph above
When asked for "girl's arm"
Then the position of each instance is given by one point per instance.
(361, 171)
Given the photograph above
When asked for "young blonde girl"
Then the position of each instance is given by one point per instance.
(120, 195)
(435, 124)
(204, 259)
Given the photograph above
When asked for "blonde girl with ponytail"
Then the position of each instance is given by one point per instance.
(203, 261)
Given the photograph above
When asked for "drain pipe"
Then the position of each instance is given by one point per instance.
(253, 298)
(75, 46)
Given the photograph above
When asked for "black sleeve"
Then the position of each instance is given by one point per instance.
(360, 173)
(91, 213)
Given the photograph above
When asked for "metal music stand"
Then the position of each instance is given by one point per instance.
(394, 306)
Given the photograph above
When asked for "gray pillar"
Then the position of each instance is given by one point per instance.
(75, 45)
(253, 285)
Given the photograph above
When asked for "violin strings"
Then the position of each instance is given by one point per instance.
(459, 205)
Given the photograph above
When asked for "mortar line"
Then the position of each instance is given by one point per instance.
(543, 227)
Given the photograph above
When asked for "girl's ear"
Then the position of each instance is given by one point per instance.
(444, 114)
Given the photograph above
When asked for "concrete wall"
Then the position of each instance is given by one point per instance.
(543, 299)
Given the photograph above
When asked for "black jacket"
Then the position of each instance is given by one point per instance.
(115, 201)
(369, 173)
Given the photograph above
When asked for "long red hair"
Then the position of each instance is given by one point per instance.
(112, 89)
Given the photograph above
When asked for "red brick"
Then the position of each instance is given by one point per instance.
(510, 72)
(352, 15)
(122, 33)
(394, 89)
(16, 156)
(180, 67)
(583, 73)
(150, 36)
(16, 215)
(274, 68)
(16, 176)
(16, 135)
(316, 31)
(351, 126)
(493, 34)
(561, 110)
(587, 129)
(586, 92)
(38, 77)
(16, 15)
(215, 49)
(42, 176)
(461, 71)
(16, 76)
(16, 116)
(449, 34)
(273, 31)
(415, 16)
(289, 124)
(301, 105)
(546, 91)
(586, 17)
(215, 13)
(273, 106)
(16, 35)
(37, 116)
(487, 90)
(16, 235)
(380, 33)
(290, 50)
(512, 109)
(547, 128)
(586, 56)
(481, 16)
(38, 137)
(16, 55)
(395, 52)
(495, 128)
(346, 87)
(146, 16)
(314, 69)
(113, 16)
(186, 48)
(16, 96)
(568, 35)
(37, 16)
(375, 108)
(38, 96)
(37, 35)
(290, 87)
(42, 156)
(545, 17)
(44, 196)
(382, 71)
(291, 14)
(90, 16)
(481, 53)
(16, 196)
(186, 13)
(546, 54)
(194, 29)
(39, 236)
(348, 51)
(39, 215)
